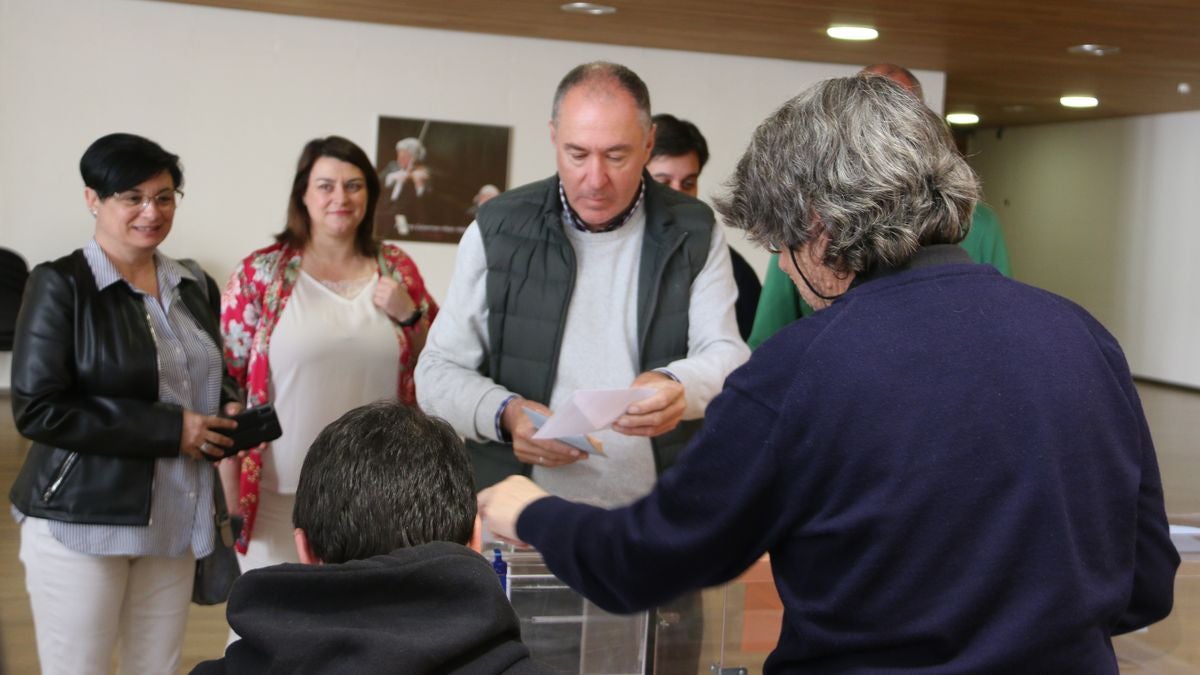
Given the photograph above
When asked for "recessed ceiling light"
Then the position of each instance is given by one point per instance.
(962, 118)
(1184, 88)
(852, 32)
(1079, 101)
(588, 8)
(1095, 50)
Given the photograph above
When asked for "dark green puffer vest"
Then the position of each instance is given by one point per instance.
(530, 279)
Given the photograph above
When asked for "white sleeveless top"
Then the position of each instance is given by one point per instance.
(328, 354)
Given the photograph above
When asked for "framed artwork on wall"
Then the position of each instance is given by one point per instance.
(434, 175)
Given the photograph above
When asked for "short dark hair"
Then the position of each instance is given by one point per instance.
(381, 477)
(118, 162)
(674, 137)
(299, 224)
(603, 71)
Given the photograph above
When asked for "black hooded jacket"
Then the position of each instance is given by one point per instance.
(435, 608)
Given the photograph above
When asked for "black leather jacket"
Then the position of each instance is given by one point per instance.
(85, 391)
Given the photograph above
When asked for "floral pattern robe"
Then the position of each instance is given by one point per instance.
(253, 301)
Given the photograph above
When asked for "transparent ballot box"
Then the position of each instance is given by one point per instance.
(566, 632)
(728, 630)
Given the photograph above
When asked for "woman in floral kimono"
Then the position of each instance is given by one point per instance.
(324, 320)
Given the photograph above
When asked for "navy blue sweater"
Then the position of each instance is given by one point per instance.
(951, 471)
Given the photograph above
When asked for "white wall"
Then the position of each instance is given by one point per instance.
(236, 94)
(1105, 213)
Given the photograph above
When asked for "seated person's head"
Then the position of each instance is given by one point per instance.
(381, 477)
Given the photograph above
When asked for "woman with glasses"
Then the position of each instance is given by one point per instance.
(117, 379)
(322, 321)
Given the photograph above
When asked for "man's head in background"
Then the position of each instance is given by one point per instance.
(679, 155)
(381, 477)
(898, 74)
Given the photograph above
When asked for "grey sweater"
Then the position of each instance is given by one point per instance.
(599, 351)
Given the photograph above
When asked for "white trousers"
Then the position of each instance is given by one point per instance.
(273, 541)
(84, 605)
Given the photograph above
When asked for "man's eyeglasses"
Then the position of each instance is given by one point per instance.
(165, 201)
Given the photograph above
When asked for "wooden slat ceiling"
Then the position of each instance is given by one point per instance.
(1006, 60)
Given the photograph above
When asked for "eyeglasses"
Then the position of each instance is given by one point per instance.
(165, 201)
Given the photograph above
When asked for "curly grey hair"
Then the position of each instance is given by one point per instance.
(863, 159)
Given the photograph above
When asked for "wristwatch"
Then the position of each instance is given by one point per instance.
(412, 320)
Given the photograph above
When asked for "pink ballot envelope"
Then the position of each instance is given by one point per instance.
(589, 410)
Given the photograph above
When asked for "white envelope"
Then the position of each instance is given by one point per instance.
(578, 441)
(590, 410)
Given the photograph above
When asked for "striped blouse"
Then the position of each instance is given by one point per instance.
(189, 375)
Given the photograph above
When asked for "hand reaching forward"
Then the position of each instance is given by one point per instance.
(501, 505)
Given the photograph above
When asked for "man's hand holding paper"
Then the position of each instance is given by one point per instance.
(587, 411)
(657, 413)
(541, 451)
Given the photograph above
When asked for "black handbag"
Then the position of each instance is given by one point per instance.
(216, 572)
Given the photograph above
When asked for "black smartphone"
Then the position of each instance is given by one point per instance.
(254, 426)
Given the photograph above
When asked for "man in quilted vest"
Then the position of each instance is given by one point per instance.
(595, 278)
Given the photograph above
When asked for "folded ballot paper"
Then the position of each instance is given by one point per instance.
(586, 411)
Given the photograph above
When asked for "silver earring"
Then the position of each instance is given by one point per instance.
(93, 212)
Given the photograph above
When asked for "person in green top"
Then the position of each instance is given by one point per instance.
(780, 303)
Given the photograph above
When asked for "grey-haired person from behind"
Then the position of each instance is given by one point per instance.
(926, 510)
